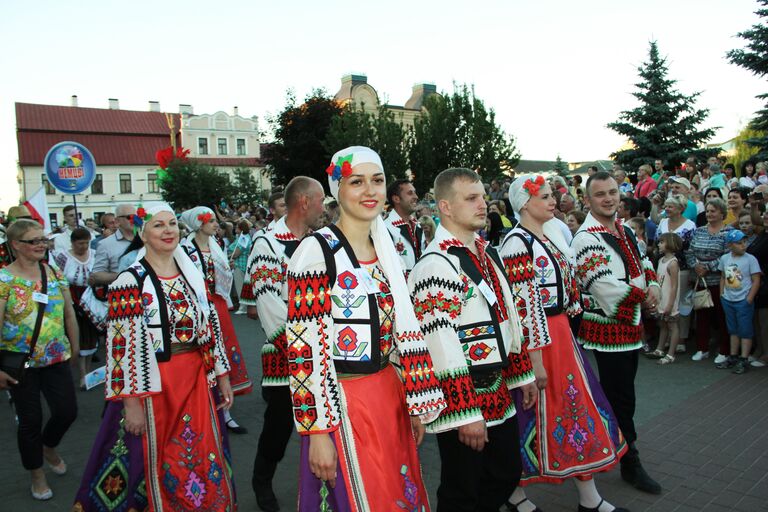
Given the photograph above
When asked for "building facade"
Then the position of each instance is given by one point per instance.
(356, 90)
(123, 144)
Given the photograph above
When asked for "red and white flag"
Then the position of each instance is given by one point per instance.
(38, 209)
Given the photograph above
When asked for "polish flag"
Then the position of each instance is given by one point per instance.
(38, 209)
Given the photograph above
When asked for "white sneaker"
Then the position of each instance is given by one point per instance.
(757, 363)
(680, 349)
(720, 358)
(699, 356)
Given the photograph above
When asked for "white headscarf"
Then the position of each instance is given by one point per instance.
(192, 219)
(519, 197)
(185, 264)
(382, 241)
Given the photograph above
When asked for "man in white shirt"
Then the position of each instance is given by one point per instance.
(62, 241)
(402, 225)
(110, 249)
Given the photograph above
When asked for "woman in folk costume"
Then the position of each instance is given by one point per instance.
(76, 264)
(572, 431)
(361, 376)
(211, 260)
(160, 445)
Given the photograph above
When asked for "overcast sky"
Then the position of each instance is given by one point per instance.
(555, 71)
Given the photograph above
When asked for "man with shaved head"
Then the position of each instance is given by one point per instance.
(265, 293)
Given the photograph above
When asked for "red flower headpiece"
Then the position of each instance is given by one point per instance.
(205, 218)
(533, 185)
(341, 169)
(139, 218)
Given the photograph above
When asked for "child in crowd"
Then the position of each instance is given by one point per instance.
(637, 225)
(739, 282)
(668, 274)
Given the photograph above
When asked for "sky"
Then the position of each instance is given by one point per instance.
(556, 72)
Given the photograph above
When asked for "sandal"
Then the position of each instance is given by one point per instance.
(42, 496)
(656, 354)
(667, 359)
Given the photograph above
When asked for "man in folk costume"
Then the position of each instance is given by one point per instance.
(465, 306)
(406, 232)
(265, 293)
(616, 282)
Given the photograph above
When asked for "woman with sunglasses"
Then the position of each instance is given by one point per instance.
(37, 318)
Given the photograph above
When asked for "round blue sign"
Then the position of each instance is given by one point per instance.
(70, 167)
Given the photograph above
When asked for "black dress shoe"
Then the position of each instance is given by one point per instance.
(582, 508)
(635, 474)
(266, 499)
(512, 507)
(233, 427)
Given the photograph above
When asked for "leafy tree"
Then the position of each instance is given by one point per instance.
(458, 130)
(560, 167)
(246, 189)
(666, 123)
(382, 132)
(744, 151)
(755, 58)
(189, 183)
(299, 132)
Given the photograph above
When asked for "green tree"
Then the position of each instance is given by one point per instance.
(299, 132)
(383, 132)
(246, 189)
(189, 183)
(745, 151)
(458, 130)
(755, 58)
(666, 123)
(561, 168)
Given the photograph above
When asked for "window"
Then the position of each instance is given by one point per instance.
(152, 187)
(241, 146)
(48, 187)
(125, 184)
(97, 187)
(202, 146)
(222, 146)
(54, 220)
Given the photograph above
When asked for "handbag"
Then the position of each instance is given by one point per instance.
(702, 299)
(16, 363)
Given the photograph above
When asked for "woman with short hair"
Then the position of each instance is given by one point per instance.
(702, 257)
(39, 336)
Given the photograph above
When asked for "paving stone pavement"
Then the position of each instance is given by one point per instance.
(703, 436)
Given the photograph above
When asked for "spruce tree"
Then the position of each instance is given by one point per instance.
(755, 58)
(666, 123)
(560, 167)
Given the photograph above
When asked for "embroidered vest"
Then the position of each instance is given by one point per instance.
(356, 347)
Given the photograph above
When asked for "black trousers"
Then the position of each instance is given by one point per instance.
(617, 377)
(55, 383)
(278, 423)
(473, 481)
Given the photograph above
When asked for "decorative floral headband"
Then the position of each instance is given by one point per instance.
(341, 169)
(139, 218)
(205, 218)
(533, 185)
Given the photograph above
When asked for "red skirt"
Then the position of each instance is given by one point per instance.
(238, 376)
(378, 463)
(184, 463)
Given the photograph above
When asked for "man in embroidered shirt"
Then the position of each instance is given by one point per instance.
(405, 231)
(616, 281)
(465, 306)
(265, 294)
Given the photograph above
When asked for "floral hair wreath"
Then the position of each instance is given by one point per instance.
(139, 218)
(205, 218)
(533, 185)
(341, 169)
